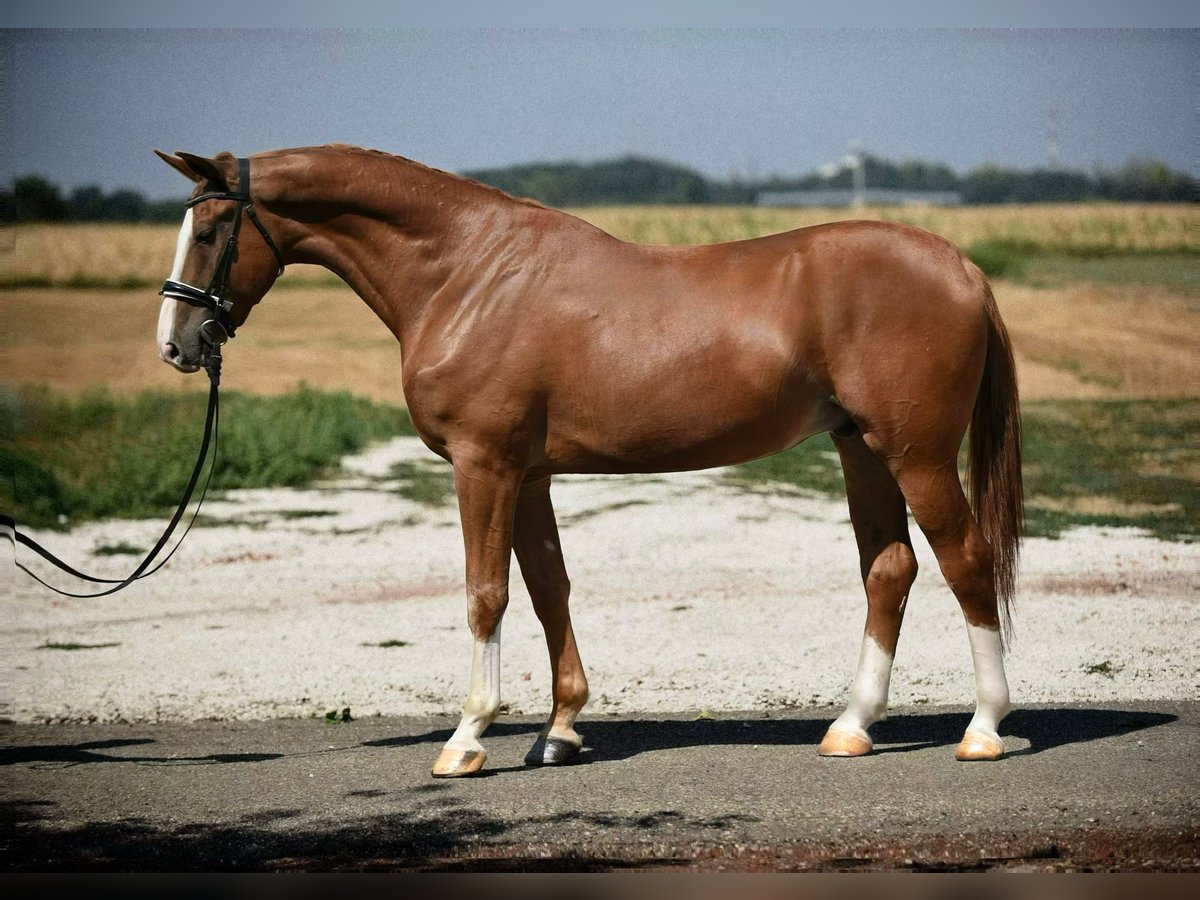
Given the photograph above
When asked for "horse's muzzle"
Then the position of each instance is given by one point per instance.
(170, 352)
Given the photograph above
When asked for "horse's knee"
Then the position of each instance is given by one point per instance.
(485, 609)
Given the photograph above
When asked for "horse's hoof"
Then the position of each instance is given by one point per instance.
(842, 743)
(975, 746)
(552, 751)
(457, 763)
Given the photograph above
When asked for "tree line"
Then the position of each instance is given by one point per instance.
(637, 179)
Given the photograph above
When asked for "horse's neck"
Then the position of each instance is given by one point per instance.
(395, 232)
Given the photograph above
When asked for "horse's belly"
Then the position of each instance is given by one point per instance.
(697, 424)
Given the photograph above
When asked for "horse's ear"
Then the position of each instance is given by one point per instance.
(178, 165)
(221, 171)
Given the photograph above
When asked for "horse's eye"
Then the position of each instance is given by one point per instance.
(206, 236)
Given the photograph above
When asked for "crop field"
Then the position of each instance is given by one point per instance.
(1101, 301)
(128, 256)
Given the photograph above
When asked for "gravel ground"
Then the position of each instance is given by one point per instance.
(690, 594)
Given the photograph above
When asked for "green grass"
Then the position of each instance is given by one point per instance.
(1027, 262)
(1139, 456)
(999, 259)
(1086, 462)
(811, 467)
(1176, 270)
(66, 461)
(1112, 463)
(428, 482)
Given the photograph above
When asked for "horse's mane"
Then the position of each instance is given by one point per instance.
(351, 149)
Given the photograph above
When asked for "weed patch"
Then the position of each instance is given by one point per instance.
(999, 259)
(73, 646)
(428, 482)
(812, 466)
(124, 548)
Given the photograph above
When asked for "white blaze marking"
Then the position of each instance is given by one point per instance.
(869, 693)
(991, 687)
(483, 695)
(166, 314)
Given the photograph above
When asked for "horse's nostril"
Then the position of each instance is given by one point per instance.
(171, 351)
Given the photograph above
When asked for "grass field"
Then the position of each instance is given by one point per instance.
(1086, 462)
(1102, 309)
(129, 256)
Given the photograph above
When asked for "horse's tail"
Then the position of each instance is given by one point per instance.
(994, 460)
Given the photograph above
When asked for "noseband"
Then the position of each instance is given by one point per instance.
(220, 328)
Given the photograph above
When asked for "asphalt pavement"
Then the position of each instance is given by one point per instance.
(1108, 787)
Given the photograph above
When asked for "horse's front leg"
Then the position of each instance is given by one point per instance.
(487, 494)
(540, 554)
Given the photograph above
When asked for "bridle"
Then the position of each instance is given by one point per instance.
(220, 328)
(215, 331)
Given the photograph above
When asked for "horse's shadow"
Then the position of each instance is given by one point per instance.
(87, 752)
(1040, 729)
(617, 739)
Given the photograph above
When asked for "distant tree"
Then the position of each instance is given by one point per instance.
(124, 206)
(37, 200)
(165, 211)
(639, 179)
(87, 203)
(1146, 180)
(632, 179)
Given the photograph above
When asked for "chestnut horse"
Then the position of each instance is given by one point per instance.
(533, 344)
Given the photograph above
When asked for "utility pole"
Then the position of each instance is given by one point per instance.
(1053, 159)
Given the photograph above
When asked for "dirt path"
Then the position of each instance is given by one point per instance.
(690, 594)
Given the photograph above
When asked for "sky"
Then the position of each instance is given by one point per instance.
(88, 106)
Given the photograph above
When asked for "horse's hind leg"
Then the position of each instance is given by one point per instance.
(540, 557)
(888, 569)
(487, 496)
(940, 508)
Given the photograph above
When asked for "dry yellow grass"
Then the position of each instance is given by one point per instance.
(74, 340)
(1076, 341)
(1072, 339)
(102, 254)
(110, 254)
(1099, 340)
(1072, 227)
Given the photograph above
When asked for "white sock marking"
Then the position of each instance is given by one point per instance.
(483, 694)
(991, 687)
(869, 693)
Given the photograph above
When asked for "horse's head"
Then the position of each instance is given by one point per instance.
(221, 270)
